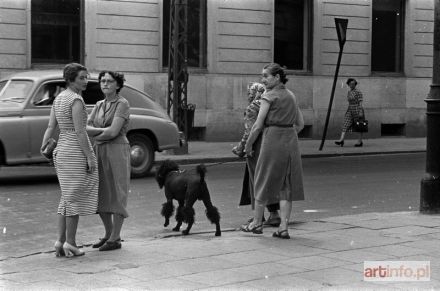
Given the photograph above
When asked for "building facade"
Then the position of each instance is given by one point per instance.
(389, 50)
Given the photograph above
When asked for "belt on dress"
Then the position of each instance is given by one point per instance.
(278, 125)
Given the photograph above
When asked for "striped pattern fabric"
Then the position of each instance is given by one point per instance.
(79, 189)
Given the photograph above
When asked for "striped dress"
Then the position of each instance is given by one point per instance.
(79, 189)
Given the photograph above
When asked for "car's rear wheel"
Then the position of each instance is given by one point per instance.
(141, 154)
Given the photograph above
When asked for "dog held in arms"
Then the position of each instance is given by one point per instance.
(186, 187)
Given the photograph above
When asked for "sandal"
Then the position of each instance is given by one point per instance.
(257, 229)
(281, 234)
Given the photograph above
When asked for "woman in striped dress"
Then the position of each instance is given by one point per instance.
(354, 111)
(74, 159)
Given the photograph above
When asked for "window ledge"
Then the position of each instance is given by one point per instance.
(387, 74)
(298, 73)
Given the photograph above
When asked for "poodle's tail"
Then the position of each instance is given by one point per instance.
(201, 170)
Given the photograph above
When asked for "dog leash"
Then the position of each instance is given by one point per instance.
(218, 163)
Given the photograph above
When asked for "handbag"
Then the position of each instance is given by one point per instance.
(361, 124)
(48, 148)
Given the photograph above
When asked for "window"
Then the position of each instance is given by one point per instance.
(16, 91)
(55, 31)
(196, 47)
(293, 34)
(47, 92)
(387, 37)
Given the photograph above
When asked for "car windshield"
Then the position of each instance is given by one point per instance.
(15, 91)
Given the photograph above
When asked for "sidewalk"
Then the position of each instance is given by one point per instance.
(326, 254)
(210, 152)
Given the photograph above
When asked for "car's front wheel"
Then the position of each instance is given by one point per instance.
(141, 154)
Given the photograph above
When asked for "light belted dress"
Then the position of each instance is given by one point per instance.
(279, 173)
(79, 189)
(113, 157)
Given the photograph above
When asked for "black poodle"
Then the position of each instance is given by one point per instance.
(186, 187)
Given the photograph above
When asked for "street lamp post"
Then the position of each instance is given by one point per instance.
(430, 185)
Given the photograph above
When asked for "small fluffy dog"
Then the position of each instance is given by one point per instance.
(186, 187)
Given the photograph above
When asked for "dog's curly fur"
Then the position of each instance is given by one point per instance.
(186, 187)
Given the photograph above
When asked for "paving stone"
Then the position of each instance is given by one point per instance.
(251, 257)
(411, 230)
(314, 262)
(269, 269)
(378, 223)
(293, 250)
(433, 246)
(147, 273)
(319, 226)
(362, 286)
(220, 277)
(286, 282)
(334, 276)
(358, 256)
(169, 284)
(397, 250)
(430, 285)
(27, 277)
(347, 219)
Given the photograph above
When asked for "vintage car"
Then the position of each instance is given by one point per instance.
(25, 104)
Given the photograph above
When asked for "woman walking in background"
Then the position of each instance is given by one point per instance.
(108, 123)
(74, 159)
(354, 111)
(278, 173)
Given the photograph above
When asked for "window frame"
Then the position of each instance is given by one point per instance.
(401, 36)
(203, 58)
(308, 14)
(56, 63)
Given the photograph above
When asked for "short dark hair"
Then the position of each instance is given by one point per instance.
(119, 78)
(351, 79)
(275, 69)
(71, 71)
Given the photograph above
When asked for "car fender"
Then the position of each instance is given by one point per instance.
(164, 130)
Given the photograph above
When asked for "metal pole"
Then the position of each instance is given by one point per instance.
(430, 184)
(331, 100)
(341, 28)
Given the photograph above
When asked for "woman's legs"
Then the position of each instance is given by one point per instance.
(108, 223)
(71, 226)
(273, 210)
(61, 228)
(258, 213)
(342, 136)
(360, 138)
(286, 210)
(118, 220)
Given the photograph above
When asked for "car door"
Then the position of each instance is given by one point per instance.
(38, 112)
